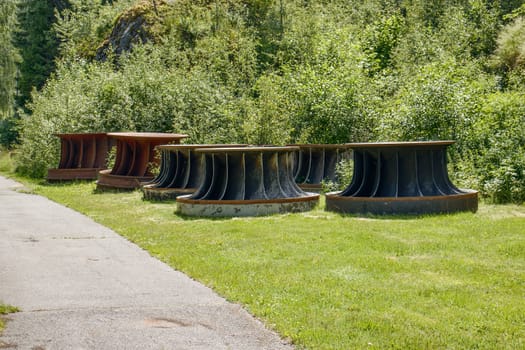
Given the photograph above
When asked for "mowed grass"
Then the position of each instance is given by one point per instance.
(328, 281)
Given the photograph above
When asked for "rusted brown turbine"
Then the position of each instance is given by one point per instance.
(134, 157)
(82, 156)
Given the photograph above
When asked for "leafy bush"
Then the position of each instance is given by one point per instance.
(202, 110)
(344, 172)
(499, 159)
(64, 100)
(266, 119)
(278, 72)
(383, 37)
(440, 102)
(510, 53)
(329, 98)
(142, 95)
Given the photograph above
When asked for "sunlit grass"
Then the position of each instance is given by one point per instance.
(329, 281)
(4, 310)
(6, 162)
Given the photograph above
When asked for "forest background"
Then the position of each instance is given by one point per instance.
(272, 72)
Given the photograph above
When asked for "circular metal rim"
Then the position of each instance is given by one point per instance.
(225, 210)
(59, 174)
(307, 186)
(112, 181)
(164, 194)
(336, 197)
(400, 144)
(185, 191)
(81, 135)
(151, 136)
(195, 146)
(248, 149)
(308, 198)
(429, 205)
(320, 145)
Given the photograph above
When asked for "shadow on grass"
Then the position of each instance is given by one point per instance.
(389, 217)
(61, 183)
(197, 218)
(160, 202)
(227, 218)
(103, 190)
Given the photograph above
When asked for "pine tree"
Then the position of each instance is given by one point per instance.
(8, 57)
(37, 44)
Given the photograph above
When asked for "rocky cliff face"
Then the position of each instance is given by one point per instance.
(130, 28)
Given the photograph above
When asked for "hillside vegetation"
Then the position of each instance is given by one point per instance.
(277, 72)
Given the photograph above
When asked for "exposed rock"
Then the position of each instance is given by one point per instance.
(130, 29)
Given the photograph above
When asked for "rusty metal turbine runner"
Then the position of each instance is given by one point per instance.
(181, 171)
(247, 181)
(315, 163)
(401, 178)
(135, 155)
(82, 156)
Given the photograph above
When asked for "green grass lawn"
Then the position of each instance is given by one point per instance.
(328, 281)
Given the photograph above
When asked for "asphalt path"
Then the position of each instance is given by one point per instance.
(82, 286)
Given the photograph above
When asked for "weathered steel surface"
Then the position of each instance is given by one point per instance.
(82, 155)
(134, 158)
(246, 209)
(401, 178)
(181, 171)
(247, 181)
(316, 163)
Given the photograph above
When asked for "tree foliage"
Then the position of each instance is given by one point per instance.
(37, 44)
(285, 71)
(8, 56)
(510, 52)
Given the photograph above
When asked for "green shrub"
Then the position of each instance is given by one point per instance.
(500, 157)
(82, 97)
(382, 39)
(278, 72)
(510, 52)
(344, 172)
(203, 110)
(440, 102)
(266, 119)
(330, 98)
